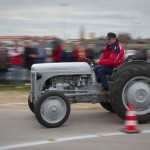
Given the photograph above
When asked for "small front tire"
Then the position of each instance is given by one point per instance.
(52, 109)
(30, 104)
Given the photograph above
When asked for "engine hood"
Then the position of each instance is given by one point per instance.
(70, 67)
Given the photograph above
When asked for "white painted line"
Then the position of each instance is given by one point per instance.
(24, 145)
(76, 138)
(47, 142)
(146, 131)
(53, 140)
(115, 133)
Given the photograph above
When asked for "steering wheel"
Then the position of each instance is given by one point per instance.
(90, 61)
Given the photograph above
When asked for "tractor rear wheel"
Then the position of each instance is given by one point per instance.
(107, 106)
(132, 86)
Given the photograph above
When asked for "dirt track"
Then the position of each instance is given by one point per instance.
(14, 99)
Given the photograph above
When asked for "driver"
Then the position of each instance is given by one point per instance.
(112, 58)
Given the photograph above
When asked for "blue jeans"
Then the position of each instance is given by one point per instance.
(101, 72)
(17, 73)
(2, 75)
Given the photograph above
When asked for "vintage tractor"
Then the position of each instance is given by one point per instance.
(54, 86)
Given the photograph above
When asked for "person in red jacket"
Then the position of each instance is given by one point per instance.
(112, 58)
(79, 53)
(17, 62)
(57, 50)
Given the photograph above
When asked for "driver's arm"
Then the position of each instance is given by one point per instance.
(110, 61)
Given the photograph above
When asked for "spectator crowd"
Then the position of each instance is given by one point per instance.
(23, 56)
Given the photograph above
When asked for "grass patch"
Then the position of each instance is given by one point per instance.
(15, 87)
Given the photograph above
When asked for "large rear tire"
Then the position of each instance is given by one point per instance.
(52, 109)
(132, 86)
(107, 106)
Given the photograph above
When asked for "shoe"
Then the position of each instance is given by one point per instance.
(104, 93)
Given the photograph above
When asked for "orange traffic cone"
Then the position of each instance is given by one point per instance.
(131, 125)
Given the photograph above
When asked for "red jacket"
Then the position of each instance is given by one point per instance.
(80, 56)
(113, 57)
(17, 60)
(57, 53)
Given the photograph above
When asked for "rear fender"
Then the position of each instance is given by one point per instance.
(126, 66)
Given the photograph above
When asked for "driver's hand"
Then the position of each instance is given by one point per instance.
(97, 61)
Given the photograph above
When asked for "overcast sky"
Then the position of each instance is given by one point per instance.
(64, 18)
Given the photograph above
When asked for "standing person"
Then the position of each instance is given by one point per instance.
(4, 62)
(79, 53)
(140, 53)
(16, 62)
(90, 50)
(41, 52)
(30, 54)
(112, 58)
(67, 53)
(57, 50)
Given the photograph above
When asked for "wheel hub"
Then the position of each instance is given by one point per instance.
(53, 109)
(137, 92)
(140, 95)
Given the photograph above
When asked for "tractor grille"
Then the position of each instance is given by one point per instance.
(33, 84)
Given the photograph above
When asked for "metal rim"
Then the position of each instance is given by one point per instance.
(53, 109)
(137, 92)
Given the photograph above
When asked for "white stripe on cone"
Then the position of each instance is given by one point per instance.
(130, 113)
(131, 123)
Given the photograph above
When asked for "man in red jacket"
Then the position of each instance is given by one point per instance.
(112, 58)
(16, 62)
(57, 50)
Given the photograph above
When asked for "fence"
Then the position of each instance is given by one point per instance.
(8, 76)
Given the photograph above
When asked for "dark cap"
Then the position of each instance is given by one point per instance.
(111, 35)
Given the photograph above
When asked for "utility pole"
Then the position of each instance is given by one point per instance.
(64, 20)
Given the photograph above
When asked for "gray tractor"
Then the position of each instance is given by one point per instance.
(55, 86)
